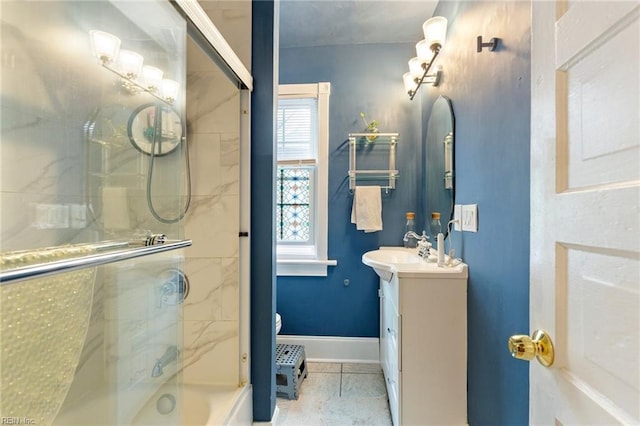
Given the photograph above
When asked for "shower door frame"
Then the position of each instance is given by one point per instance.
(208, 37)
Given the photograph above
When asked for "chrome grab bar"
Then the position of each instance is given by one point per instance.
(148, 247)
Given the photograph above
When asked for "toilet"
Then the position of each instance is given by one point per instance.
(278, 323)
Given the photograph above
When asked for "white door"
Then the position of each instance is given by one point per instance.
(585, 185)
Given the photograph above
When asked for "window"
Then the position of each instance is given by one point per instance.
(302, 179)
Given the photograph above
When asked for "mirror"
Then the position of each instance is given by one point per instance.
(142, 125)
(439, 163)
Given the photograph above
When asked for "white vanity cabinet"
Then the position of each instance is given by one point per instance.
(423, 345)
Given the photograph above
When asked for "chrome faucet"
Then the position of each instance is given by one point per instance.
(423, 242)
(170, 355)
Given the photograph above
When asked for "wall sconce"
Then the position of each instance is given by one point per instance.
(427, 50)
(410, 81)
(492, 44)
(152, 77)
(170, 89)
(106, 47)
(130, 63)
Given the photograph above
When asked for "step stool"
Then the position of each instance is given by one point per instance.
(291, 369)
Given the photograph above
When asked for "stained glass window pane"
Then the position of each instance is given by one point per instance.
(292, 204)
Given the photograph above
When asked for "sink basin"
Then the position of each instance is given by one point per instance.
(392, 256)
(385, 260)
(388, 261)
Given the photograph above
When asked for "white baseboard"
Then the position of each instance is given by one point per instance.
(336, 349)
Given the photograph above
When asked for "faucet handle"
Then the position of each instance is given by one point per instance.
(424, 240)
(423, 246)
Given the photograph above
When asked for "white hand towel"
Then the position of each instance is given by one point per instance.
(366, 212)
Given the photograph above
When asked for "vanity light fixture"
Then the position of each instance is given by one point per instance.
(427, 50)
(130, 63)
(106, 47)
(491, 44)
(170, 89)
(410, 81)
(152, 77)
(435, 32)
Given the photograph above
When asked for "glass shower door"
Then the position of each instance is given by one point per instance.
(92, 162)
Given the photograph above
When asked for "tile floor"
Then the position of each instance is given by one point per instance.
(338, 394)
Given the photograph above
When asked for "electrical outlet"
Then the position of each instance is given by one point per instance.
(457, 217)
(470, 217)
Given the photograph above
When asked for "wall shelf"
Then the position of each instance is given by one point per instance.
(367, 142)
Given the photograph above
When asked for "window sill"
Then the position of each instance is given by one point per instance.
(303, 267)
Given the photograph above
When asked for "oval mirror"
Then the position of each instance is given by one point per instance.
(143, 124)
(439, 164)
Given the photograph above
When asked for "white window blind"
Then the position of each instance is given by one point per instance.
(297, 132)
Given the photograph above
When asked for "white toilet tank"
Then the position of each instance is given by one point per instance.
(278, 323)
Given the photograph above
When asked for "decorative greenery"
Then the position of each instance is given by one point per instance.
(372, 127)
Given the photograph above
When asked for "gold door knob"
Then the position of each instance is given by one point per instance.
(539, 345)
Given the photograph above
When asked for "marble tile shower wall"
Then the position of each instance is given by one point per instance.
(211, 311)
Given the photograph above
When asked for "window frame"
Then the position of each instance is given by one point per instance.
(294, 259)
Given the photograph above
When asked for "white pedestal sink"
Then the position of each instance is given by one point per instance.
(387, 261)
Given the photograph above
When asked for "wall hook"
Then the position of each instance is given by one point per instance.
(492, 44)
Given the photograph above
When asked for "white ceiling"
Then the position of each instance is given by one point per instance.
(306, 23)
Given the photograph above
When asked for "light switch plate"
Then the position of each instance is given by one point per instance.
(457, 216)
(470, 217)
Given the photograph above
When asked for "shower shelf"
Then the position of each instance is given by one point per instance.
(107, 252)
(387, 177)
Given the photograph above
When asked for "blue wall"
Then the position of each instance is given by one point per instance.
(490, 92)
(365, 78)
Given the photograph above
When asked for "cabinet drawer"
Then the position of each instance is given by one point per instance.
(391, 335)
(390, 291)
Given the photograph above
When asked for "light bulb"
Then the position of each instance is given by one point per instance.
(409, 82)
(130, 63)
(105, 46)
(152, 77)
(170, 89)
(424, 52)
(415, 68)
(435, 32)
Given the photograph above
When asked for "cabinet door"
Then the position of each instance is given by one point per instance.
(384, 355)
(389, 355)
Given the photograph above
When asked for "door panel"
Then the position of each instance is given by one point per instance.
(596, 83)
(601, 317)
(585, 236)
